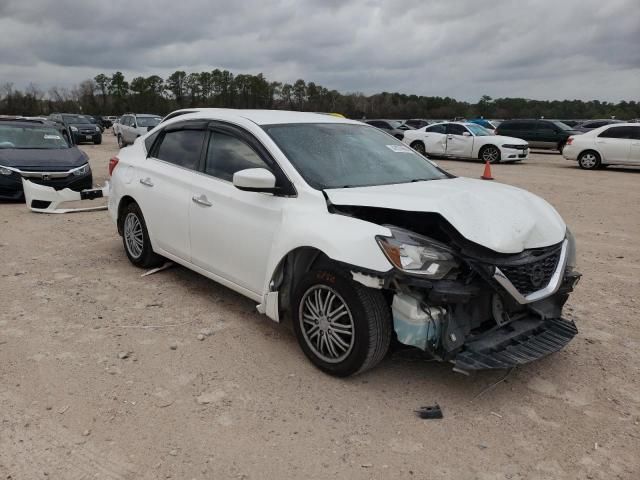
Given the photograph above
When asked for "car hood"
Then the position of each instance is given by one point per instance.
(500, 217)
(53, 159)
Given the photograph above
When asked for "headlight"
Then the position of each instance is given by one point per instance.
(417, 254)
(5, 171)
(83, 170)
(571, 250)
(97, 128)
(74, 129)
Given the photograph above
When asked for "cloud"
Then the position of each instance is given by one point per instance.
(584, 49)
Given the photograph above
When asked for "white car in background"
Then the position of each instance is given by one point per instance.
(466, 140)
(615, 144)
(351, 234)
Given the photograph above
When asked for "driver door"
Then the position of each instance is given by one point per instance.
(459, 141)
(232, 230)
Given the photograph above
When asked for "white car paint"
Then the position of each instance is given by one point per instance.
(466, 146)
(612, 151)
(241, 241)
(43, 193)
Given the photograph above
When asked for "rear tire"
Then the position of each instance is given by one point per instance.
(135, 238)
(490, 153)
(343, 327)
(589, 160)
(419, 147)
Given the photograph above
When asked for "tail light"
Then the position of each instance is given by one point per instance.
(112, 164)
(569, 141)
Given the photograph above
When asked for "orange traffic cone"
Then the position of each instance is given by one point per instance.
(487, 172)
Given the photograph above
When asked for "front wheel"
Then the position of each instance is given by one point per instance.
(589, 160)
(121, 143)
(343, 327)
(490, 154)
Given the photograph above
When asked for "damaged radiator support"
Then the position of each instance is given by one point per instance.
(44, 199)
(417, 324)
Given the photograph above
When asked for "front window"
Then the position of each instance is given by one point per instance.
(344, 155)
(148, 121)
(31, 138)
(477, 130)
(75, 119)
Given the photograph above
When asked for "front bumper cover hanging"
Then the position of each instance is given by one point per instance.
(44, 199)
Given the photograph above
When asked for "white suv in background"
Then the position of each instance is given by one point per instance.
(351, 234)
(616, 144)
(132, 126)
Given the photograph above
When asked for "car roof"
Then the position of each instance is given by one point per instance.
(260, 117)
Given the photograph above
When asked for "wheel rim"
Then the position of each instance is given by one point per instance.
(120, 143)
(490, 154)
(418, 147)
(326, 323)
(133, 236)
(588, 160)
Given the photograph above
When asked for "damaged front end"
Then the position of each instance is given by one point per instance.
(46, 199)
(463, 303)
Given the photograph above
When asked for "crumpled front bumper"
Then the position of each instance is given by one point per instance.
(516, 344)
(43, 199)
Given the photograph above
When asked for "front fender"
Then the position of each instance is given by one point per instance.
(342, 238)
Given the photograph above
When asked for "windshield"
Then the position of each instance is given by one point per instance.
(395, 123)
(343, 155)
(562, 126)
(148, 121)
(30, 137)
(477, 130)
(75, 119)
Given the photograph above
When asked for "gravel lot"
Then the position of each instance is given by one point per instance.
(244, 402)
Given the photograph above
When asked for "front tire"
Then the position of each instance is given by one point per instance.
(419, 147)
(121, 143)
(343, 327)
(135, 238)
(490, 154)
(589, 160)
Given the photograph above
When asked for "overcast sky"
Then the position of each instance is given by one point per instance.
(544, 49)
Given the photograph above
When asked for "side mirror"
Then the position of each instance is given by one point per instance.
(466, 134)
(134, 125)
(255, 180)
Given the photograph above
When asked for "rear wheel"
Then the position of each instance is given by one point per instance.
(343, 327)
(490, 154)
(589, 160)
(135, 238)
(419, 147)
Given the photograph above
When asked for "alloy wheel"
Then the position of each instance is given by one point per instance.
(133, 235)
(491, 154)
(588, 160)
(326, 323)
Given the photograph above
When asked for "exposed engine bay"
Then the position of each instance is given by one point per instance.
(465, 303)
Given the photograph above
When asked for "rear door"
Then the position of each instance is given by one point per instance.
(614, 144)
(164, 182)
(634, 153)
(435, 139)
(459, 141)
(547, 133)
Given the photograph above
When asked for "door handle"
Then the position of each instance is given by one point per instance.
(202, 200)
(146, 181)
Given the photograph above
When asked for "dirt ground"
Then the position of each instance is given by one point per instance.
(245, 403)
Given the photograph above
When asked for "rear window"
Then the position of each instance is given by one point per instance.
(182, 148)
(618, 132)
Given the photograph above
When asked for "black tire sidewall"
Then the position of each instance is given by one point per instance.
(347, 290)
(421, 148)
(147, 258)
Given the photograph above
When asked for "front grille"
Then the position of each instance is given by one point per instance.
(534, 275)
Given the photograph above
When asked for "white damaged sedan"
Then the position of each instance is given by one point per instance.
(351, 235)
(466, 140)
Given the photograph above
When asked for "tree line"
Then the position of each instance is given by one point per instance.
(114, 95)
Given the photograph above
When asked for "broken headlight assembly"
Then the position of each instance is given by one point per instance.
(417, 254)
(571, 250)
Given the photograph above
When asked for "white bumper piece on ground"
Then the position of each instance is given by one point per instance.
(47, 199)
